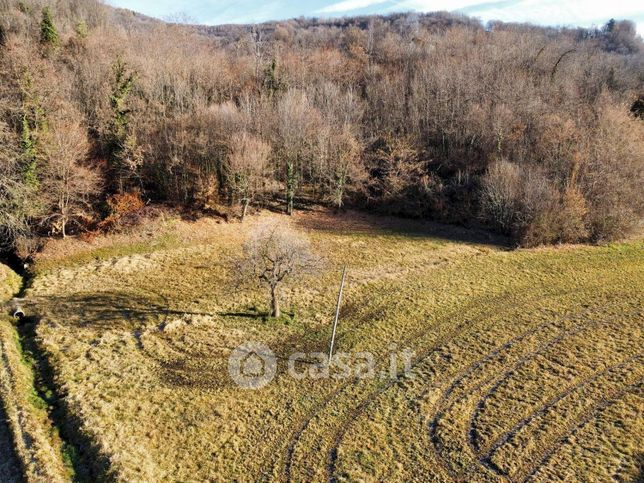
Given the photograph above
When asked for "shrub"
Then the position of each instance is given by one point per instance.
(537, 219)
(125, 203)
(572, 216)
(364, 112)
(525, 204)
(501, 190)
(612, 177)
(124, 209)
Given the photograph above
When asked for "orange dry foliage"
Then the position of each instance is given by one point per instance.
(124, 207)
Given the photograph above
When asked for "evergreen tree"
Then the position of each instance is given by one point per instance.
(28, 147)
(48, 33)
(610, 25)
(122, 146)
(123, 84)
(33, 126)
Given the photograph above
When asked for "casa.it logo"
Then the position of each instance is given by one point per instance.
(252, 365)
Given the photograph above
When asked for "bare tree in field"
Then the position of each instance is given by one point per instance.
(272, 254)
(246, 167)
(68, 185)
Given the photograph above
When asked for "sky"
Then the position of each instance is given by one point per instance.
(542, 12)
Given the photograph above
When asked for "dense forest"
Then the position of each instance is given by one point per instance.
(534, 132)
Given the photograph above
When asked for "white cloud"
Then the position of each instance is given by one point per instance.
(435, 5)
(349, 5)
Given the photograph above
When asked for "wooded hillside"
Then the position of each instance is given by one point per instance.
(534, 132)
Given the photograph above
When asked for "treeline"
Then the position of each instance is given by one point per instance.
(532, 131)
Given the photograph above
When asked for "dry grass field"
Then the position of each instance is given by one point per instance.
(527, 364)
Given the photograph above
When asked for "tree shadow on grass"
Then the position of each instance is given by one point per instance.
(88, 461)
(246, 314)
(132, 313)
(100, 310)
(116, 310)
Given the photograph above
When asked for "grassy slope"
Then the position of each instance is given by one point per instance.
(517, 353)
(35, 442)
(9, 466)
(29, 446)
(9, 283)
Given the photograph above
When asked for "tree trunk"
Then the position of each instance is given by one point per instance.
(245, 203)
(290, 188)
(275, 303)
(339, 196)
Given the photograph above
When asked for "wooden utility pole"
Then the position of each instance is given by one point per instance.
(337, 312)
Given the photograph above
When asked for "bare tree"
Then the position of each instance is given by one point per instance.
(247, 164)
(500, 194)
(340, 164)
(272, 254)
(68, 184)
(412, 113)
(297, 119)
(345, 166)
(16, 209)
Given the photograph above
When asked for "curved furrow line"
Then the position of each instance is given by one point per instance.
(573, 429)
(479, 362)
(442, 407)
(486, 459)
(332, 456)
(476, 414)
(303, 427)
(362, 406)
(473, 431)
(444, 320)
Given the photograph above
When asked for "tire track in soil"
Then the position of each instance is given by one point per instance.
(441, 404)
(508, 435)
(362, 406)
(441, 322)
(473, 432)
(580, 424)
(486, 459)
(318, 408)
(442, 408)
